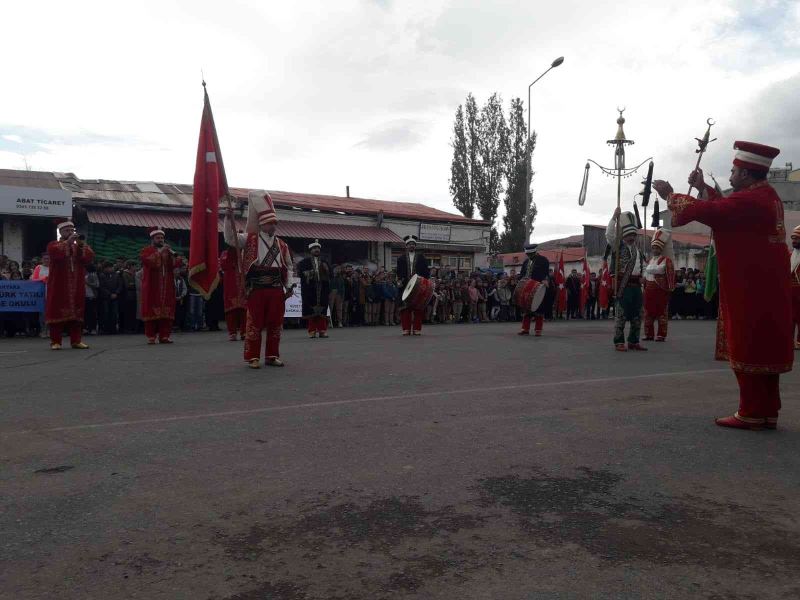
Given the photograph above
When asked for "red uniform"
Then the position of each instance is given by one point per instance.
(233, 290)
(794, 280)
(753, 331)
(658, 285)
(158, 291)
(267, 267)
(66, 289)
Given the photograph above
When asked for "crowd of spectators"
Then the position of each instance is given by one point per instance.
(359, 296)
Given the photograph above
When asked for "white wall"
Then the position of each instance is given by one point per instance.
(12, 239)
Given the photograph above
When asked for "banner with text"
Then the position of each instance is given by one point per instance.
(21, 296)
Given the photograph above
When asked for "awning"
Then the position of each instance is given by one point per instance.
(289, 229)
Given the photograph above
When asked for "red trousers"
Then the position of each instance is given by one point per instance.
(236, 320)
(265, 308)
(759, 395)
(649, 325)
(317, 324)
(407, 316)
(538, 323)
(161, 327)
(74, 328)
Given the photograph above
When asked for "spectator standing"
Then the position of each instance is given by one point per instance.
(215, 307)
(689, 297)
(196, 308)
(41, 273)
(472, 297)
(504, 298)
(591, 300)
(128, 302)
(338, 290)
(110, 290)
(482, 300)
(181, 302)
(92, 290)
(573, 285)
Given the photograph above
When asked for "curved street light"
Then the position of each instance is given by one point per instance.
(557, 62)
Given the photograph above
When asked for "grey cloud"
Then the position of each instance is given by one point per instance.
(400, 134)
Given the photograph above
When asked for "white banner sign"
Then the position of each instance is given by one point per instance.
(35, 202)
(436, 233)
(294, 305)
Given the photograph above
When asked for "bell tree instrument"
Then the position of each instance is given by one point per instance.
(703, 144)
(620, 171)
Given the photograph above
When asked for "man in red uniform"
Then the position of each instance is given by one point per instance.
(753, 331)
(233, 289)
(409, 264)
(659, 281)
(266, 263)
(66, 286)
(158, 287)
(795, 284)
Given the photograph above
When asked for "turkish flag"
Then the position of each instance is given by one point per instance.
(605, 286)
(585, 284)
(210, 186)
(561, 298)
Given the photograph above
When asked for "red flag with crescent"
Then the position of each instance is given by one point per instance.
(605, 286)
(585, 284)
(210, 186)
(561, 298)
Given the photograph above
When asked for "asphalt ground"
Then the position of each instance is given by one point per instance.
(469, 463)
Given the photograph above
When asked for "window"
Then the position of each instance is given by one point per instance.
(466, 263)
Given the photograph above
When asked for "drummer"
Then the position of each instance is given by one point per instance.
(411, 263)
(536, 267)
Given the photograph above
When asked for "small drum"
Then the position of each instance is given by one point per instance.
(529, 294)
(418, 293)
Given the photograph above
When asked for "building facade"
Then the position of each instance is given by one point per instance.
(115, 217)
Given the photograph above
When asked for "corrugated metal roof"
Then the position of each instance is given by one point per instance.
(171, 194)
(514, 259)
(289, 229)
(34, 179)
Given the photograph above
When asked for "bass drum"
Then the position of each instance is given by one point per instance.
(418, 293)
(529, 294)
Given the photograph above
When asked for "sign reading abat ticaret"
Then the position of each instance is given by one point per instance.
(35, 202)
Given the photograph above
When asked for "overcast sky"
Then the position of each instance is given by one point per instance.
(314, 96)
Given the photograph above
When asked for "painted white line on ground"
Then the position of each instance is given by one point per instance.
(254, 411)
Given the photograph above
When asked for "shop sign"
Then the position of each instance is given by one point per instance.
(436, 233)
(35, 202)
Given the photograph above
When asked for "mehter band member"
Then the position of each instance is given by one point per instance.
(659, 281)
(315, 289)
(66, 286)
(233, 293)
(266, 263)
(753, 332)
(409, 264)
(536, 267)
(159, 262)
(627, 280)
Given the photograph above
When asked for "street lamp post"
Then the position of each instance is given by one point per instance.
(528, 223)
